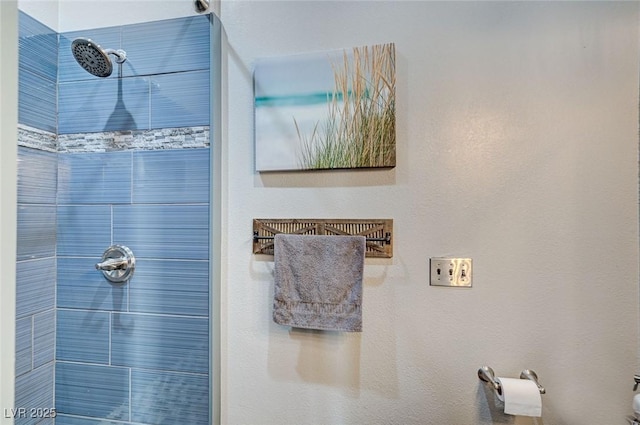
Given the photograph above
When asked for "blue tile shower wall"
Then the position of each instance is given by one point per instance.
(37, 175)
(35, 283)
(36, 244)
(38, 74)
(142, 347)
(155, 327)
(165, 79)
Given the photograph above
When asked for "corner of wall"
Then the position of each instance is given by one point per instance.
(8, 198)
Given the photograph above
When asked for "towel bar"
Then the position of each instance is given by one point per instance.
(378, 232)
(385, 240)
(486, 374)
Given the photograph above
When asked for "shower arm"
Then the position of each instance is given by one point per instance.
(120, 54)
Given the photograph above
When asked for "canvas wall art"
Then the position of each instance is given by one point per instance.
(327, 110)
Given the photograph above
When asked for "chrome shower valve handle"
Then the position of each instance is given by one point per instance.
(113, 264)
(117, 264)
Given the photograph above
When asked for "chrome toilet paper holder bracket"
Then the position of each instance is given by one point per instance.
(486, 374)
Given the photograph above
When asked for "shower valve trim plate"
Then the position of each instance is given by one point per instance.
(117, 264)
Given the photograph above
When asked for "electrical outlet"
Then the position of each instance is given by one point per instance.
(451, 272)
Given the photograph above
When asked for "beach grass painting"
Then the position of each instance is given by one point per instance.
(329, 110)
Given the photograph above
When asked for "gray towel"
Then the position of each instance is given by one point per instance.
(318, 281)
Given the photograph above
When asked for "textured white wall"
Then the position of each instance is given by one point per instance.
(518, 147)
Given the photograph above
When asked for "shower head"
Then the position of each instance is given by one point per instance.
(93, 58)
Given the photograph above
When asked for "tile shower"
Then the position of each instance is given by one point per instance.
(117, 160)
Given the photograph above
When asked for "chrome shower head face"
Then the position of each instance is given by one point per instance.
(91, 57)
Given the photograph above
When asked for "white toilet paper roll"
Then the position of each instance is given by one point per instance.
(521, 397)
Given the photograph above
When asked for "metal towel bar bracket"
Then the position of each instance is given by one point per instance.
(385, 240)
(378, 232)
(486, 374)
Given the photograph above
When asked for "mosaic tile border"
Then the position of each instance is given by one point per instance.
(30, 137)
(158, 139)
(140, 140)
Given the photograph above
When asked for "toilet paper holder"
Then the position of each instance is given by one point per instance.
(486, 374)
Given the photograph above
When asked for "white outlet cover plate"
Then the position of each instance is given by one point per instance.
(451, 271)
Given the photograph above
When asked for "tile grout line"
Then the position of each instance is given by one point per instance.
(111, 227)
(150, 102)
(55, 286)
(33, 341)
(110, 335)
(131, 185)
(130, 394)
